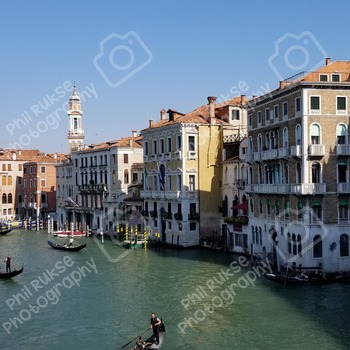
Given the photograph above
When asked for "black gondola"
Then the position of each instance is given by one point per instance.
(150, 343)
(4, 232)
(66, 247)
(8, 275)
(307, 278)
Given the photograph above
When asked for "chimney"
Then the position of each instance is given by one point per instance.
(328, 61)
(14, 156)
(55, 156)
(163, 114)
(211, 100)
(130, 143)
(150, 123)
(134, 133)
(283, 84)
(243, 99)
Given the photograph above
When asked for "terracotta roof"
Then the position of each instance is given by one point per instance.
(198, 116)
(123, 142)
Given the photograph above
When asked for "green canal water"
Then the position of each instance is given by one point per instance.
(102, 297)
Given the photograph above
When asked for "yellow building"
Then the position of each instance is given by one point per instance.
(182, 179)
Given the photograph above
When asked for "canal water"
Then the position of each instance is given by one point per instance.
(102, 298)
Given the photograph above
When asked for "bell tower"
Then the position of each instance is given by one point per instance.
(75, 114)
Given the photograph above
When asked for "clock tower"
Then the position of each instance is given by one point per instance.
(75, 114)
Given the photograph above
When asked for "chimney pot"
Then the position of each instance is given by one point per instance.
(163, 114)
(243, 99)
(134, 133)
(328, 61)
(211, 100)
(150, 123)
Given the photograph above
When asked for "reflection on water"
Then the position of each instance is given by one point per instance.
(93, 299)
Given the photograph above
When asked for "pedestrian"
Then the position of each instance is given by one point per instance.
(8, 264)
(155, 323)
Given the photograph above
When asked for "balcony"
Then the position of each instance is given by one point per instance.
(283, 152)
(268, 188)
(168, 216)
(343, 187)
(316, 150)
(343, 150)
(153, 214)
(193, 216)
(296, 151)
(307, 189)
(178, 155)
(192, 155)
(92, 189)
(168, 195)
(178, 216)
(269, 154)
(237, 220)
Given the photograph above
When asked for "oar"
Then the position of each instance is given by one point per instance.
(135, 338)
(285, 278)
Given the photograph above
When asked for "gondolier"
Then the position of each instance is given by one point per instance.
(155, 323)
(8, 264)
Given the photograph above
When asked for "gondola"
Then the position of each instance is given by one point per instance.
(307, 278)
(66, 247)
(4, 232)
(67, 234)
(150, 343)
(8, 275)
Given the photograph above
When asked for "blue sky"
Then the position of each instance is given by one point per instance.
(130, 59)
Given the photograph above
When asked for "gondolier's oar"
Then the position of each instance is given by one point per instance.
(135, 338)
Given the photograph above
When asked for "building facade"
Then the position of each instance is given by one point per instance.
(298, 178)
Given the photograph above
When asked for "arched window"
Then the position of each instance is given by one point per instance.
(4, 198)
(9, 198)
(343, 212)
(317, 247)
(299, 244)
(253, 235)
(298, 135)
(289, 243)
(316, 173)
(260, 207)
(259, 143)
(341, 134)
(126, 176)
(285, 138)
(251, 148)
(260, 235)
(257, 236)
(342, 170)
(9, 180)
(294, 243)
(3, 180)
(298, 173)
(344, 245)
(315, 134)
(251, 205)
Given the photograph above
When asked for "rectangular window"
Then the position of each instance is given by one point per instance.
(9, 168)
(126, 158)
(250, 120)
(179, 182)
(154, 146)
(276, 111)
(315, 104)
(34, 169)
(146, 148)
(4, 167)
(335, 77)
(323, 77)
(43, 170)
(169, 145)
(267, 114)
(162, 146)
(297, 104)
(341, 104)
(285, 109)
(191, 144)
(259, 117)
(191, 183)
(178, 143)
(30, 169)
(42, 183)
(235, 114)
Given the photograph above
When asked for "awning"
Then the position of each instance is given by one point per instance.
(242, 206)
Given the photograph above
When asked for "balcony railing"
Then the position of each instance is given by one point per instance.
(343, 187)
(169, 194)
(153, 214)
(178, 216)
(296, 151)
(237, 220)
(193, 216)
(317, 150)
(92, 189)
(343, 150)
(313, 188)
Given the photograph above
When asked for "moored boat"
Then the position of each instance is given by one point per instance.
(66, 247)
(4, 232)
(66, 234)
(307, 278)
(133, 244)
(13, 273)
